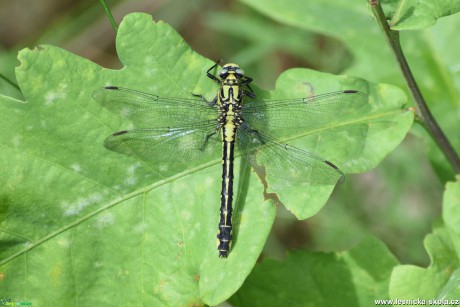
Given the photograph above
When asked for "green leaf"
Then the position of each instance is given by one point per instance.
(87, 226)
(415, 14)
(353, 278)
(439, 280)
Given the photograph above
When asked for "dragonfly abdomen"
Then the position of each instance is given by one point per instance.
(226, 198)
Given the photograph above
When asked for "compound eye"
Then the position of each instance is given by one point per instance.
(223, 73)
(239, 73)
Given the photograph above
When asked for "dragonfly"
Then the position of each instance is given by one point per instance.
(175, 129)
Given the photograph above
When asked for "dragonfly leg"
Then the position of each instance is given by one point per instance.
(208, 103)
(250, 94)
(206, 140)
(245, 81)
(257, 135)
(211, 76)
(253, 133)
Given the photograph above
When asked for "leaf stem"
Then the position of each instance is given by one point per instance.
(109, 16)
(423, 111)
(9, 82)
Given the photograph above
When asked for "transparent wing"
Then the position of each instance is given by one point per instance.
(147, 110)
(167, 144)
(305, 112)
(279, 160)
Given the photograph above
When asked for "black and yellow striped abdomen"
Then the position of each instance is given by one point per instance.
(226, 198)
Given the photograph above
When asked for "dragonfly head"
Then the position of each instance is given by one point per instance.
(233, 69)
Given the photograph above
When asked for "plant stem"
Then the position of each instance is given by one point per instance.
(10, 82)
(109, 15)
(423, 111)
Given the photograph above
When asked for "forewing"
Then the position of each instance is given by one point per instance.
(147, 110)
(308, 112)
(275, 159)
